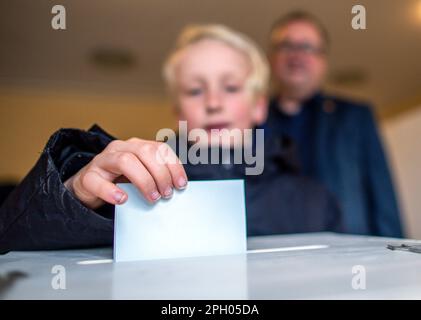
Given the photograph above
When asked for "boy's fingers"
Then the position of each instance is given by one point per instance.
(164, 166)
(96, 185)
(128, 165)
(149, 155)
(176, 169)
(156, 156)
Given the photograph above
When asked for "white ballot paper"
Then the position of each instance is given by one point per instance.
(207, 218)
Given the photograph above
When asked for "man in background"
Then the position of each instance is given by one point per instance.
(337, 140)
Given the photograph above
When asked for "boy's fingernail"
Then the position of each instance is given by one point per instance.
(182, 183)
(119, 197)
(168, 192)
(155, 195)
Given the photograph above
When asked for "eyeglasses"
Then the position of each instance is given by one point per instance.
(305, 48)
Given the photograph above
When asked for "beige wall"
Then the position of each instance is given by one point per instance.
(403, 138)
(27, 120)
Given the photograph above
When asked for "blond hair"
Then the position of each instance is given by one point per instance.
(259, 76)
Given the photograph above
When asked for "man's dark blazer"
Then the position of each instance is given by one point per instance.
(348, 158)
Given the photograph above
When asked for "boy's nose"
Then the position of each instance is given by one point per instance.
(213, 103)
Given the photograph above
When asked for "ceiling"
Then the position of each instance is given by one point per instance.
(385, 57)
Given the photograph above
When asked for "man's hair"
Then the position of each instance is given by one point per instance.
(259, 76)
(304, 16)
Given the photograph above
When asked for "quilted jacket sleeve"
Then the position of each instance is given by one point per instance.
(41, 214)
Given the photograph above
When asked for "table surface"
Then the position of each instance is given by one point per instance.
(306, 266)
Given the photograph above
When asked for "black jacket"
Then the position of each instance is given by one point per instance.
(42, 214)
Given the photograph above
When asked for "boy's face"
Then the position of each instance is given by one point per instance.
(211, 88)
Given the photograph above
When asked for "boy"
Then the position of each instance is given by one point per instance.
(218, 80)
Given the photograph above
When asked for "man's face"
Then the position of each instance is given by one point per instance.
(298, 58)
(211, 88)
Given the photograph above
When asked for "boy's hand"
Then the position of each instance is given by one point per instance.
(151, 166)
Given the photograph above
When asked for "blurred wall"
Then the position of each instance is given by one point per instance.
(27, 120)
(402, 135)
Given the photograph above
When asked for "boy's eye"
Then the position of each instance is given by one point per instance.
(232, 88)
(194, 92)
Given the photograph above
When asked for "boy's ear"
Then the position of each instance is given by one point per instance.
(260, 111)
